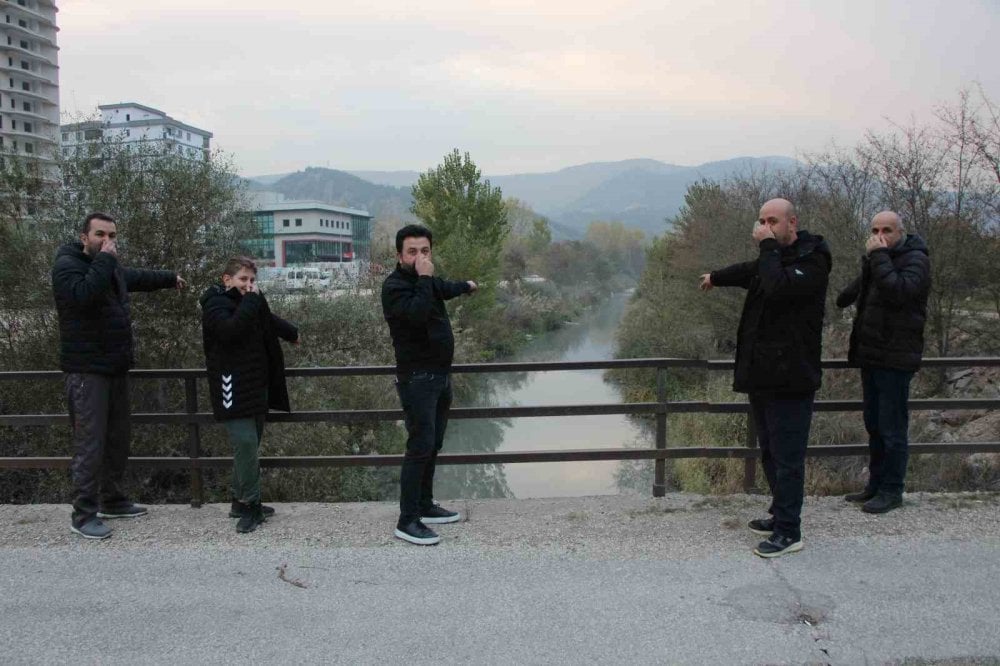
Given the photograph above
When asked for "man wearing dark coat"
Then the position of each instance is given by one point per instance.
(778, 358)
(413, 305)
(91, 292)
(887, 343)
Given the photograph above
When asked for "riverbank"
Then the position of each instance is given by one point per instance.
(596, 579)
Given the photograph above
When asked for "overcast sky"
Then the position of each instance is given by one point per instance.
(524, 85)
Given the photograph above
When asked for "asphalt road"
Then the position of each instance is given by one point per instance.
(586, 580)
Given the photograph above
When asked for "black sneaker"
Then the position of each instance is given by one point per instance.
(863, 496)
(234, 510)
(92, 528)
(123, 510)
(761, 526)
(777, 545)
(251, 516)
(882, 503)
(416, 532)
(436, 514)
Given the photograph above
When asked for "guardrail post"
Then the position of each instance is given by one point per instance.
(660, 464)
(750, 462)
(194, 442)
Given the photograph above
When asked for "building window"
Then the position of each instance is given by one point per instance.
(128, 117)
(65, 136)
(25, 86)
(284, 223)
(26, 106)
(298, 221)
(25, 65)
(29, 148)
(27, 127)
(24, 45)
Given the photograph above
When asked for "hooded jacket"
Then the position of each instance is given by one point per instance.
(413, 307)
(891, 294)
(779, 340)
(246, 366)
(92, 302)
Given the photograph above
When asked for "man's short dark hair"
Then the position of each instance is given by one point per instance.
(412, 231)
(96, 216)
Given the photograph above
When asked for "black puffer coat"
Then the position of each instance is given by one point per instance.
(891, 294)
(418, 320)
(92, 301)
(779, 341)
(246, 367)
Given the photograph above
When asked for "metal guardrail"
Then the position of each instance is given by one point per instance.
(661, 408)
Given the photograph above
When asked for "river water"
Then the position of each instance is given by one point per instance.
(591, 338)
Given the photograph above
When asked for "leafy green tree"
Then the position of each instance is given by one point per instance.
(469, 221)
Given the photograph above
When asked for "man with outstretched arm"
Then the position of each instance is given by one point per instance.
(778, 358)
(413, 305)
(91, 291)
(887, 343)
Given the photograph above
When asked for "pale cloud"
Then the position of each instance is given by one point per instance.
(524, 85)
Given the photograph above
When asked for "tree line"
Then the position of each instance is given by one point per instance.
(190, 216)
(942, 177)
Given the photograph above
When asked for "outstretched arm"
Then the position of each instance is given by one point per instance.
(139, 279)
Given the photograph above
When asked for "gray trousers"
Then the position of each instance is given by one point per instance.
(99, 417)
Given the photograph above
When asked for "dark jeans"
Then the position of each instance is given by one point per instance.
(101, 433)
(783, 422)
(426, 399)
(887, 420)
(245, 435)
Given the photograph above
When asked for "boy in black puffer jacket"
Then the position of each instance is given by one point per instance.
(246, 375)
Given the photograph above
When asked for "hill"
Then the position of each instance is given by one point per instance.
(641, 193)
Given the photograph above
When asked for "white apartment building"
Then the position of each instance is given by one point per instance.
(310, 232)
(29, 87)
(129, 122)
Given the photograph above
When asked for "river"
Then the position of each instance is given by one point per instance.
(590, 338)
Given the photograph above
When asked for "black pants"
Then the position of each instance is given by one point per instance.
(783, 422)
(426, 399)
(887, 420)
(99, 417)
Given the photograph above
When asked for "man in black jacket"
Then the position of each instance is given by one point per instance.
(413, 305)
(778, 358)
(887, 343)
(91, 291)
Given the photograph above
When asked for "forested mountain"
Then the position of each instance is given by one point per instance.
(641, 193)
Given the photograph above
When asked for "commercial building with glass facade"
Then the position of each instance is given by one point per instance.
(307, 232)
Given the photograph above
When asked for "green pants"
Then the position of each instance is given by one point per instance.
(245, 435)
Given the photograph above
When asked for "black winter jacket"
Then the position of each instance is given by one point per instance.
(92, 301)
(779, 340)
(246, 367)
(418, 321)
(891, 294)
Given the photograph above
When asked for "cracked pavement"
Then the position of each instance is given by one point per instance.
(622, 579)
